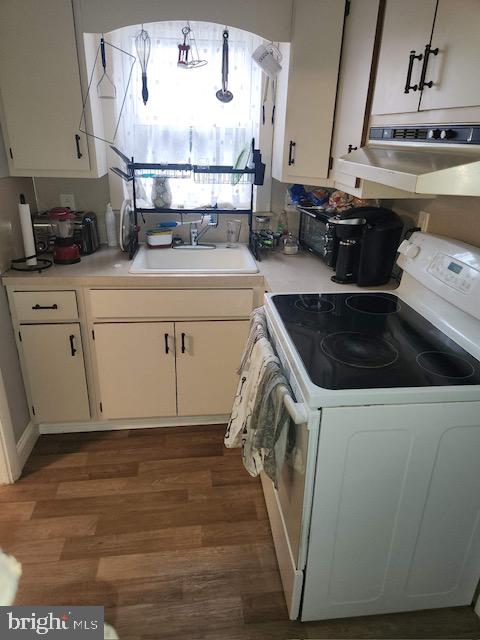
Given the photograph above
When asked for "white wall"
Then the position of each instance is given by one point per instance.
(271, 19)
(90, 195)
(451, 216)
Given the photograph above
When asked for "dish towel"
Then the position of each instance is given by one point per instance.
(259, 422)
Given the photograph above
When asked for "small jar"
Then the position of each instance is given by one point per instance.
(290, 245)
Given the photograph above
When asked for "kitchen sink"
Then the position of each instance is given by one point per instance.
(221, 259)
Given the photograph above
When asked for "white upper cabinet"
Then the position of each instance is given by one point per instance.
(306, 89)
(41, 91)
(407, 29)
(351, 110)
(454, 70)
(429, 56)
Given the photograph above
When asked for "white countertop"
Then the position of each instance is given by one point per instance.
(302, 272)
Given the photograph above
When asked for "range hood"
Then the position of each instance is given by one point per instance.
(424, 160)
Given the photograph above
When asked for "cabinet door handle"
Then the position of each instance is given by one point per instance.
(411, 59)
(183, 343)
(39, 306)
(291, 158)
(73, 351)
(166, 343)
(77, 142)
(351, 148)
(428, 52)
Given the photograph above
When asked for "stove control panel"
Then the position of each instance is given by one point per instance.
(453, 272)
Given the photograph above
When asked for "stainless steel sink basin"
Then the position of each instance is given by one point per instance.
(221, 259)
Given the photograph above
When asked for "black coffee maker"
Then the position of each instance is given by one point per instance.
(366, 243)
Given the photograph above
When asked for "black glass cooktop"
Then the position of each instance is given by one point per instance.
(371, 340)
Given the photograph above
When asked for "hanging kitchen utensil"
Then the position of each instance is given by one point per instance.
(193, 58)
(126, 59)
(184, 49)
(106, 88)
(223, 94)
(143, 46)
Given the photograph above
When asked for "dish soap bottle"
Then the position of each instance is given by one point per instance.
(111, 226)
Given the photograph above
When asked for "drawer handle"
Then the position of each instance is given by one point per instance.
(166, 343)
(73, 351)
(183, 343)
(39, 306)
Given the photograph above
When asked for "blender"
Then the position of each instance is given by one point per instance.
(65, 250)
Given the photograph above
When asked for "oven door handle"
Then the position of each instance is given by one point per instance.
(297, 410)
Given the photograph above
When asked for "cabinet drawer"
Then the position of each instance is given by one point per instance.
(45, 305)
(171, 305)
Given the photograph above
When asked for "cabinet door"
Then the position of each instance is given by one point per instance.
(354, 81)
(55, 371)
(136, 369)
(40, 86)
(306, 90)
(208, 354)
(454, 70)
(407, 27)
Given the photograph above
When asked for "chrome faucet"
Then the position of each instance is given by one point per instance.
(196, 235)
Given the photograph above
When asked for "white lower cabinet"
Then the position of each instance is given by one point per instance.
(55, 372)
(162, 369)
(136, 369)
(208, 355)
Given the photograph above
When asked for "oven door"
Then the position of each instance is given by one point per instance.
(289, 507)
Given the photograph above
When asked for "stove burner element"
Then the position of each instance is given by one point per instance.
(374, 304)
(446, 365)
(361, 350)
(314, 304)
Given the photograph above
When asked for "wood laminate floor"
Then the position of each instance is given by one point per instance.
(166, 530)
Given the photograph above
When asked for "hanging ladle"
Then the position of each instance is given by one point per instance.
(106, 89)
(223, 94)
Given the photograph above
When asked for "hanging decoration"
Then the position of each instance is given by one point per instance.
(143, 46)
(188, 56)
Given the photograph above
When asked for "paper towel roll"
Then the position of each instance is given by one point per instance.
(27, 231)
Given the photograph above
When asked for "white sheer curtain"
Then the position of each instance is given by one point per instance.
(183, 121)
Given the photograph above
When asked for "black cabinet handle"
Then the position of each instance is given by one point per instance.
(77, 142)
(351, 148)
(39, 306)
(291, 147)
(428, 52)
(411, 59)
(73, 351)
(183, 343)
(166, 343)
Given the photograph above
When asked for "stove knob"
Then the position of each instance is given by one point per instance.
(408, 249)
(447, 134)
(434, 134)
(412, 250)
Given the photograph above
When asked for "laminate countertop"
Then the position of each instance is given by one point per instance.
(278, 273)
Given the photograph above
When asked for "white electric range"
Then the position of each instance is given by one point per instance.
(378, 509)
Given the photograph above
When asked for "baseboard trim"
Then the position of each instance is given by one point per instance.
(26, 443)
(115, 425)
